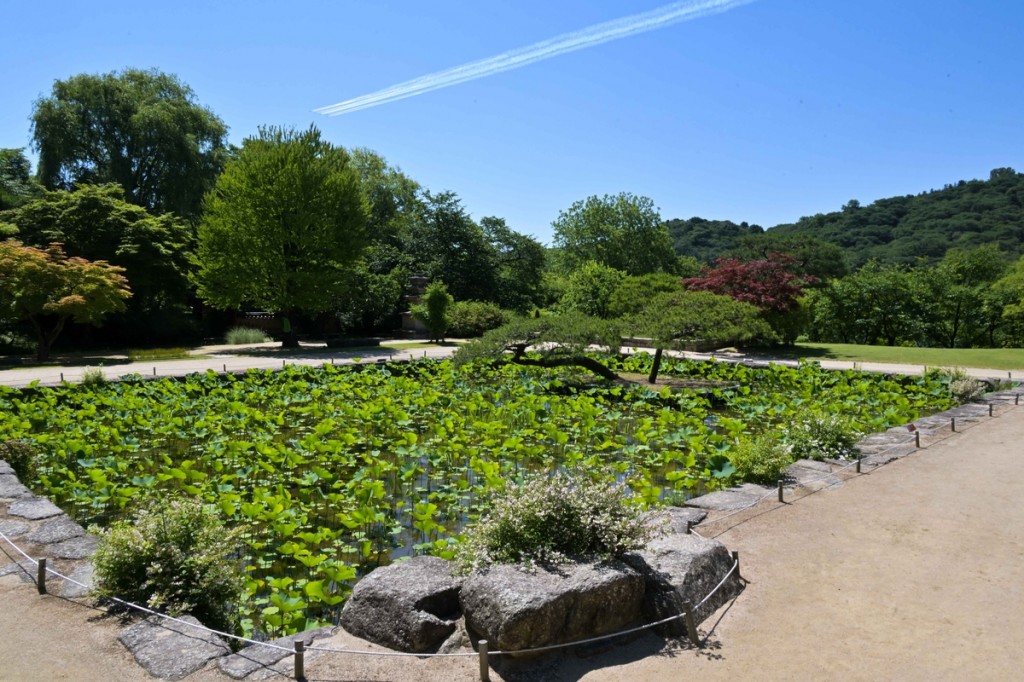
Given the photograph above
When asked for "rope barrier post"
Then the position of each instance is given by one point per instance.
(300, 664)
(859, 458)
(691, 624)
(1016, 398)
(917, 439)
(952, 423)
(689, 527)
(41, 576)
(62, 377)
(225, 365)
(154, 371)
(485, 667)
(780, 491)
(736, 560)
(990, 409)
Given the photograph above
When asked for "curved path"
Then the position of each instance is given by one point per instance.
(914, 571)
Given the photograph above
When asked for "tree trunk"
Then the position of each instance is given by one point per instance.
(288, 338)
(568, 361)
(653, 377)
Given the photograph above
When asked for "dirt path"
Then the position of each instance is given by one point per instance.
(912, 572)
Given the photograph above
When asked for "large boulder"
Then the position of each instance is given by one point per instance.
(410, 605)
(513, 609)
(682, 569)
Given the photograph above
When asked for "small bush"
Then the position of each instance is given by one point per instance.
(962, 386)
(93, 375)
(821, 437)
(469, 319)
(245, 335)
(551, 520)
(22, 456)
(175, 558)
(760, 460)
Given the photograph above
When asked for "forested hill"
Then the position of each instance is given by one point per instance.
(894, 230)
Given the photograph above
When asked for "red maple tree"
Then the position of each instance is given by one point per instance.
(764, 282)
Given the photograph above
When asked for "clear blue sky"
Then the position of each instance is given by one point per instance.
(765, 113)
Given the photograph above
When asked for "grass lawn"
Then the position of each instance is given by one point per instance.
(987, 358)
(137, 354)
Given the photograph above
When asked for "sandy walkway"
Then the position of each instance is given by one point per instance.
(912, 572)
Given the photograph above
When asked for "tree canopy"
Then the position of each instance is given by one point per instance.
(142, 129)
(623, 232)
(48, 288)
(283, 226)
(16, 183)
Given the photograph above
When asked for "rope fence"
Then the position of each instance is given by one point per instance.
(483, 653)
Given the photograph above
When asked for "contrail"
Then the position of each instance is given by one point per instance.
(513, 59)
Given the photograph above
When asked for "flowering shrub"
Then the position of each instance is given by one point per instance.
(761, 460)
(967, 389)
(822, 437)
(175, 558)
(556, 519)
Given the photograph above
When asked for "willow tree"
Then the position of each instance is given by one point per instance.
(284, 223)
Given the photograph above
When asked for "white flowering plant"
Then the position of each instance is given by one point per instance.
(822, 437)
(556, 519)
(761, 459)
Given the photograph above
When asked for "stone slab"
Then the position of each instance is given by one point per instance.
(170, 650)
(253, 658)
(82, 574)
(55, 529)
(732, 499)
(678, 516)
(811, 479)
(34, 508)
(13, 529)
(81, 547)
(5, 468)
(11, 488)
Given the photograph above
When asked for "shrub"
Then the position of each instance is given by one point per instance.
(22, 456)
(820, 437)
(760, 460)
(174, 557)
(556, 519)
(472, 318)
(963, 387)
(93, 375)
(245, 335)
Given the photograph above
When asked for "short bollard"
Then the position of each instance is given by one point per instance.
(781, 498)
(691, 624)
(1016, 398)
(225, 366)
(154, 371)
(62, 377)
(917, 439)
(41, 576)
(736, 560)
(485, 666)
(858, 464)
(952, 423)
(689, 527)
(300, 663)
(990, 409)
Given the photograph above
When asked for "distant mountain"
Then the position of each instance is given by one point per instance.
(969, 214)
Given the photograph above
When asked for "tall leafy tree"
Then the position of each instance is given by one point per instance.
(520, 262)
(285, 222)
(589, 290)
(624, 232)
(16, 183)
(96, 223)
(142, 129)
(48, 288)
(959, 310)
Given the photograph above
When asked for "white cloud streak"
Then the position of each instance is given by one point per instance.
(597, 34)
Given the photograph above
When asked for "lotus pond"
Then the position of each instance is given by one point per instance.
(331, 471)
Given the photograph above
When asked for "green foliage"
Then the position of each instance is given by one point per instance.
(520, 263)
(760, 459)
(47, 288)
(903, 229)
(245, 335)
(673, 319)
(92, 376)
(23, 457)
(634, 293)
(556, 519)
(470, 319)
(551, 335)
(706, 240)
(176, 558)
(433, 312)
(589, 289)
(16, 183)
(818, 436)
(140, 129)
(623, 232)
(285, 223)
(962, 386)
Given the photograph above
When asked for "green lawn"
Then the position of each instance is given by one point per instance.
(988, 358)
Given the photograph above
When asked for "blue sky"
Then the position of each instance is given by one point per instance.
(765, 113)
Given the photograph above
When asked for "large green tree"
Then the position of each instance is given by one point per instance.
(16, 184)
(624, 232)
(283, 226)
(47, 289)
(142, 129)
(96, 223)
(520, 261)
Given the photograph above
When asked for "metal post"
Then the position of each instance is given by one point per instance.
(917, 439)
(858, 464)
(300, 664)
(62, 377)
(736, 559)
(485, 667)
(780, 491)
(691, 624)
(225, 365)
(41, 576)
(1016, 398)
(689, 527)
(990, 409)
(283, 364)
(154, 371)
(952, 423)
